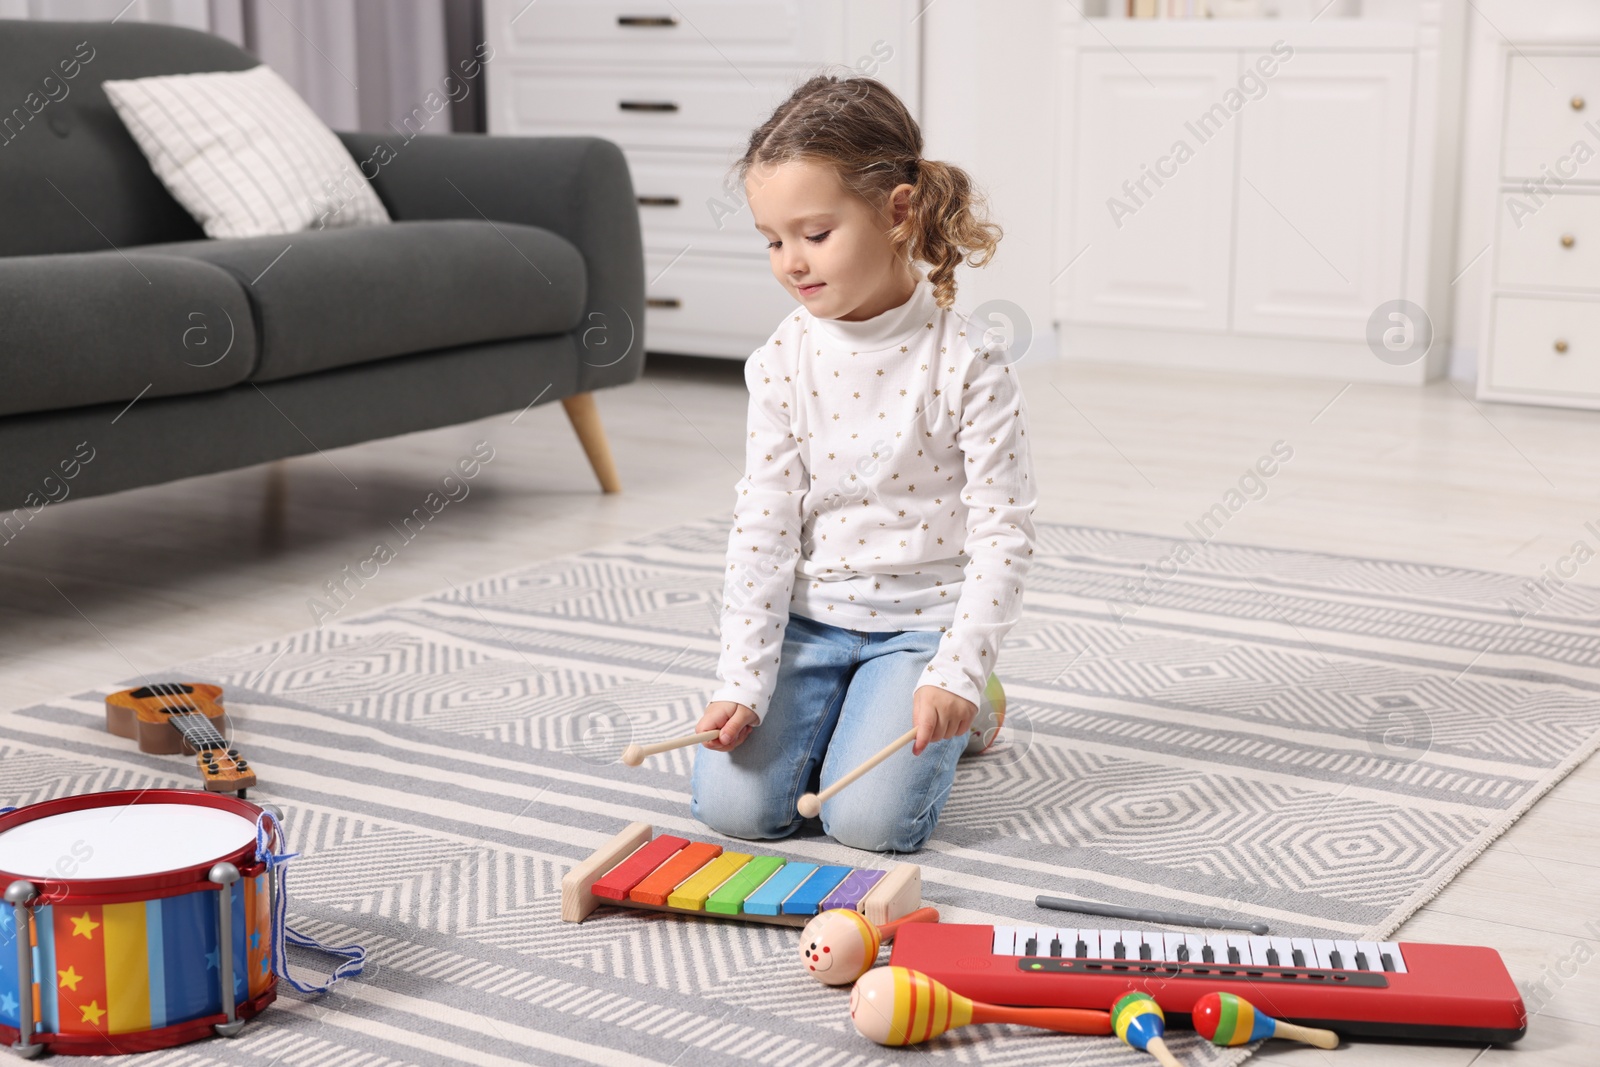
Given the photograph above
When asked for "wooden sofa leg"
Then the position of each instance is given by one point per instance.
(585, 419)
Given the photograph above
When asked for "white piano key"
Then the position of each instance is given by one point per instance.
(1307, 949)
(1155, 939)
(1091, 942)
(1347, 954)
(1131, 940)
(1285, 949)
(1369, 949)
(1324, 950)
(1258, 949)
(1195, 942)
(1219, 947)
(1005, 940)
(1169, 947)
(1393, 949)
(1241, 943)
(1057, 942)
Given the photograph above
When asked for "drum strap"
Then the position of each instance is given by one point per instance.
(355, 957)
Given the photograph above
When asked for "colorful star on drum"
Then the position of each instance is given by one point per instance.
(84, 926)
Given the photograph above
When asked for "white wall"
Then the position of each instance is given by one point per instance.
(1487, 20)
(988, 105)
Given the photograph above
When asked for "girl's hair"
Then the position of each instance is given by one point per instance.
(861, 128)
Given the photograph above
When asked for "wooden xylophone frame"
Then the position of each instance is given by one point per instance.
(898, 893)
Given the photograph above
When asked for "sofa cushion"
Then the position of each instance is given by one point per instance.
(100, 327)
(332, 298)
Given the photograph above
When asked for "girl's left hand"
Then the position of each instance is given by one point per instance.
(939, 715)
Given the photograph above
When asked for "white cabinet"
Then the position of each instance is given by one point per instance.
(1322, 196)
(680, 86)
(1247, 194)
(1154, 247)
(1542, 301)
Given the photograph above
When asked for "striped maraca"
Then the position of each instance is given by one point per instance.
(899, 1006)
(1227, 1019)
(1139, 1021)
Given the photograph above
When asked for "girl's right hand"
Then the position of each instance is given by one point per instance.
(734, 720)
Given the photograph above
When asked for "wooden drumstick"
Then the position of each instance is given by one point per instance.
(634, 755)
(811, 803)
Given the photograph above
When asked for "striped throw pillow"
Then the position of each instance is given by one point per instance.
(244, 153)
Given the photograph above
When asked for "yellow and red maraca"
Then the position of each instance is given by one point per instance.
(1229, 1019)
(839, 945)
(1139, 1021)
(899, 1006)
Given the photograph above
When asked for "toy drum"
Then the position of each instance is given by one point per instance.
(133, 921)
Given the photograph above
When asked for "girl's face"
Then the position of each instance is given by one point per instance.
(829, 247)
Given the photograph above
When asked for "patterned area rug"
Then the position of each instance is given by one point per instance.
(1316, 740)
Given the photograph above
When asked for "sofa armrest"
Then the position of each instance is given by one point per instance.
(578, 187)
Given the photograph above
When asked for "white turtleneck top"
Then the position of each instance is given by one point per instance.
(888, 486)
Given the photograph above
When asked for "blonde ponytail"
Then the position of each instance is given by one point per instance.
(945, 225)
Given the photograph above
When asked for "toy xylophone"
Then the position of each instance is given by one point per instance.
(673, 874)
(1371, 989)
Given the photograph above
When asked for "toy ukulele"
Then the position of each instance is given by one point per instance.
(169, 717)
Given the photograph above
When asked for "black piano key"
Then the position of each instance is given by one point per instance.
(1299, 958)
(1233, 955)
(1361, 962)
(1055, 946)
(1335, 960)
(1081, 950)
(1119, 951)
(1207, 955)
(1388, 961)
(1144, 952)
(1031, 948)
(1183, 953)
(1272, 958)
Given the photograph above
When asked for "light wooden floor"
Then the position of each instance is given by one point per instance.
(101, 589)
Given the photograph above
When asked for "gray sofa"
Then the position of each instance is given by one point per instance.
(513, 275)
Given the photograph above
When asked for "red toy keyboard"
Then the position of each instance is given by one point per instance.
(1359, 988)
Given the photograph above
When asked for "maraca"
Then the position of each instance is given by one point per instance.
(1140, 1022)
(899, 1006)
(1228, 1019)
(838, 945)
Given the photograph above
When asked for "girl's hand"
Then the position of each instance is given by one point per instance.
(938, 715)
(734, 720)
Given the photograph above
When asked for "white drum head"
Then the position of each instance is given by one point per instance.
(123, 841)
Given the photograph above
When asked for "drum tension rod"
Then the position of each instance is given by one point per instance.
(20, 895)
(225, 875)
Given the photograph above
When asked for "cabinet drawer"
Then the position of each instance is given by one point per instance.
(1524, 356)
(711, 110)
(1543, 119)
(711, 305)
(694, 201)
(1556, 245)
(733, 32)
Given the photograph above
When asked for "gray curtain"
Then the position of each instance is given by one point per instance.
(376, 65)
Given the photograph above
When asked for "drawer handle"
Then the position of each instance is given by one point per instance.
(647, 20)
(1567, 240)
(1577, 103)
(1561, 346)
(674, 302)
(647, 105)
(657, 201)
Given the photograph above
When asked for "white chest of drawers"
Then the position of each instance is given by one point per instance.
(680, 86)
(1542, 304)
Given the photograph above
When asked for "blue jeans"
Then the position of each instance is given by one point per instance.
(841, 696)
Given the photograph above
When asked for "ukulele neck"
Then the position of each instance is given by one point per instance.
(197, 730)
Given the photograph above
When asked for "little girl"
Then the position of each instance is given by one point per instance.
(883, 528)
